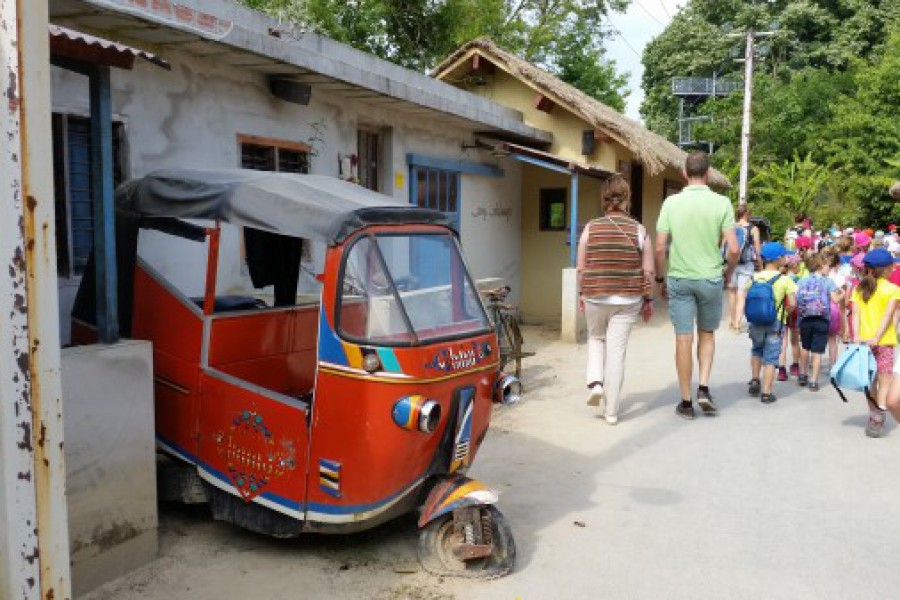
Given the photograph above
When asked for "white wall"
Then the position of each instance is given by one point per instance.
(191, 116)
(491, 225)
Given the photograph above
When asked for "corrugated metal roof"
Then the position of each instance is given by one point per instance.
(79, 46)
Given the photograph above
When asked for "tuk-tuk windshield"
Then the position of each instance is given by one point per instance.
(406, 289)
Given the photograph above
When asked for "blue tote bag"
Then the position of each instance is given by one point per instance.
(855, 369)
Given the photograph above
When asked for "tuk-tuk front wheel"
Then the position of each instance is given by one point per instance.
(452, 546)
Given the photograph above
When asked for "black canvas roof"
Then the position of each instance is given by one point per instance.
(314, 207)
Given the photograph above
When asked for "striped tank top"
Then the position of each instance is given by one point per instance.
(613, 265)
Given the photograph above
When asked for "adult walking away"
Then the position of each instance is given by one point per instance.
(694, 221)
(615, 284)
(748, 261)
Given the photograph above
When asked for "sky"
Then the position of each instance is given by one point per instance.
(644, 20)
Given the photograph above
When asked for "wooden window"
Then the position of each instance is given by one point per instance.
(368, 148)
(267, 154)
(553, 209)
(74, 199)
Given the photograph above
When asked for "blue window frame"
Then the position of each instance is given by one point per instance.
(72, 184)
(438, 189)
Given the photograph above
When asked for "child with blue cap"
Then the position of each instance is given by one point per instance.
(767, 337)
(874, 302)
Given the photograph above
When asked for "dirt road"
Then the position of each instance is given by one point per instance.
(782, 501)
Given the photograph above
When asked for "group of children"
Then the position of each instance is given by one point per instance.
(804, 302)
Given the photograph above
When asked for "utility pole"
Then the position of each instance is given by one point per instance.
(749, 57)
(745, 126)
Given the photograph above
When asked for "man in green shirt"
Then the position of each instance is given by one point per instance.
(690, 228)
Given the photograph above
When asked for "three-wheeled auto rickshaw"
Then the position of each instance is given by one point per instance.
(328, 415)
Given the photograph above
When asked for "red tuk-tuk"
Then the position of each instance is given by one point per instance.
(330, 415)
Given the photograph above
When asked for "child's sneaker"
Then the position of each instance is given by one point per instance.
(875, 428)
(802, 380)
(795, 369)
(782, 374)
(768, 398)
(814, 386)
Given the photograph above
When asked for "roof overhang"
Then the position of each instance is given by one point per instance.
(73, 45)
(552, 162)
(226, 32)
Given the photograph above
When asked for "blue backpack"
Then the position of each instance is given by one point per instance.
(760, 308)
(854, 369)
(812, 298)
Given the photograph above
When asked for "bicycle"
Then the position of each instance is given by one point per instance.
(506, 324)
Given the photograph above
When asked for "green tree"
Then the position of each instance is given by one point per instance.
(700, 41)
(863, 139)
(563, 36)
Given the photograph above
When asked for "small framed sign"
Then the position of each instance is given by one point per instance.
(553, 209)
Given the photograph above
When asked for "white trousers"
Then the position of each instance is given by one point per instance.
(609, 326)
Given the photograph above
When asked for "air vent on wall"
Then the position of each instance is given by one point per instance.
(289, 90)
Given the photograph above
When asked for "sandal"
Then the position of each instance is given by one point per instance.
(754, 387)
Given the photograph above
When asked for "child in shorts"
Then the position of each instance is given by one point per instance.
(790, 269)
(815, 295)
(766, 339)
(837, 325)
(874, 302)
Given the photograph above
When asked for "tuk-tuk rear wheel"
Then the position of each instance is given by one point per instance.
(437, 541)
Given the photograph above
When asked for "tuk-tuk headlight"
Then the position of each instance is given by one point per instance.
(417, 413)
(508, 389)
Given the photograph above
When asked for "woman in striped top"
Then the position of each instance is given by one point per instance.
(615, 284)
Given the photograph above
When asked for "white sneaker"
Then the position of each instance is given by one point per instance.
(612, 419)
(595, 396)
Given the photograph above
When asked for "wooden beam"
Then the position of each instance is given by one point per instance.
(544, 104)
(602, 136)
(481, 64)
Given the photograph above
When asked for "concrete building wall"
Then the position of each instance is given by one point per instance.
(110, 460)
(546, 253)
(567, 128)
(192, 115)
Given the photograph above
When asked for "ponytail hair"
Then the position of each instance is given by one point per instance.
(869, 282)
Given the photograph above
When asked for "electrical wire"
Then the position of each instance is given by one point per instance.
(624, 39)
(666, 10)
(649, 14)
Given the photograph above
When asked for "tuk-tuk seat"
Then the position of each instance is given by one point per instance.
(233, 303)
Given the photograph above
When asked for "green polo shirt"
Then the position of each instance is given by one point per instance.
(694, 219)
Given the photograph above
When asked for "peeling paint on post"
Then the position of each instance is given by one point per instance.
(34, 560)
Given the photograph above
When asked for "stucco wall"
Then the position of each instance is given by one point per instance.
(546, 253)
(567, 128)
(192, 115)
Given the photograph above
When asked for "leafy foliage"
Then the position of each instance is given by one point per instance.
(826, 90)
(564, 36)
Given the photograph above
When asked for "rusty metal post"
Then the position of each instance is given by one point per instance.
(34, 540)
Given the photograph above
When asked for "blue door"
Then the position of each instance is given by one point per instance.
(438, 189)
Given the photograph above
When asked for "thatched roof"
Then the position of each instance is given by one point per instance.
(654, 151)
